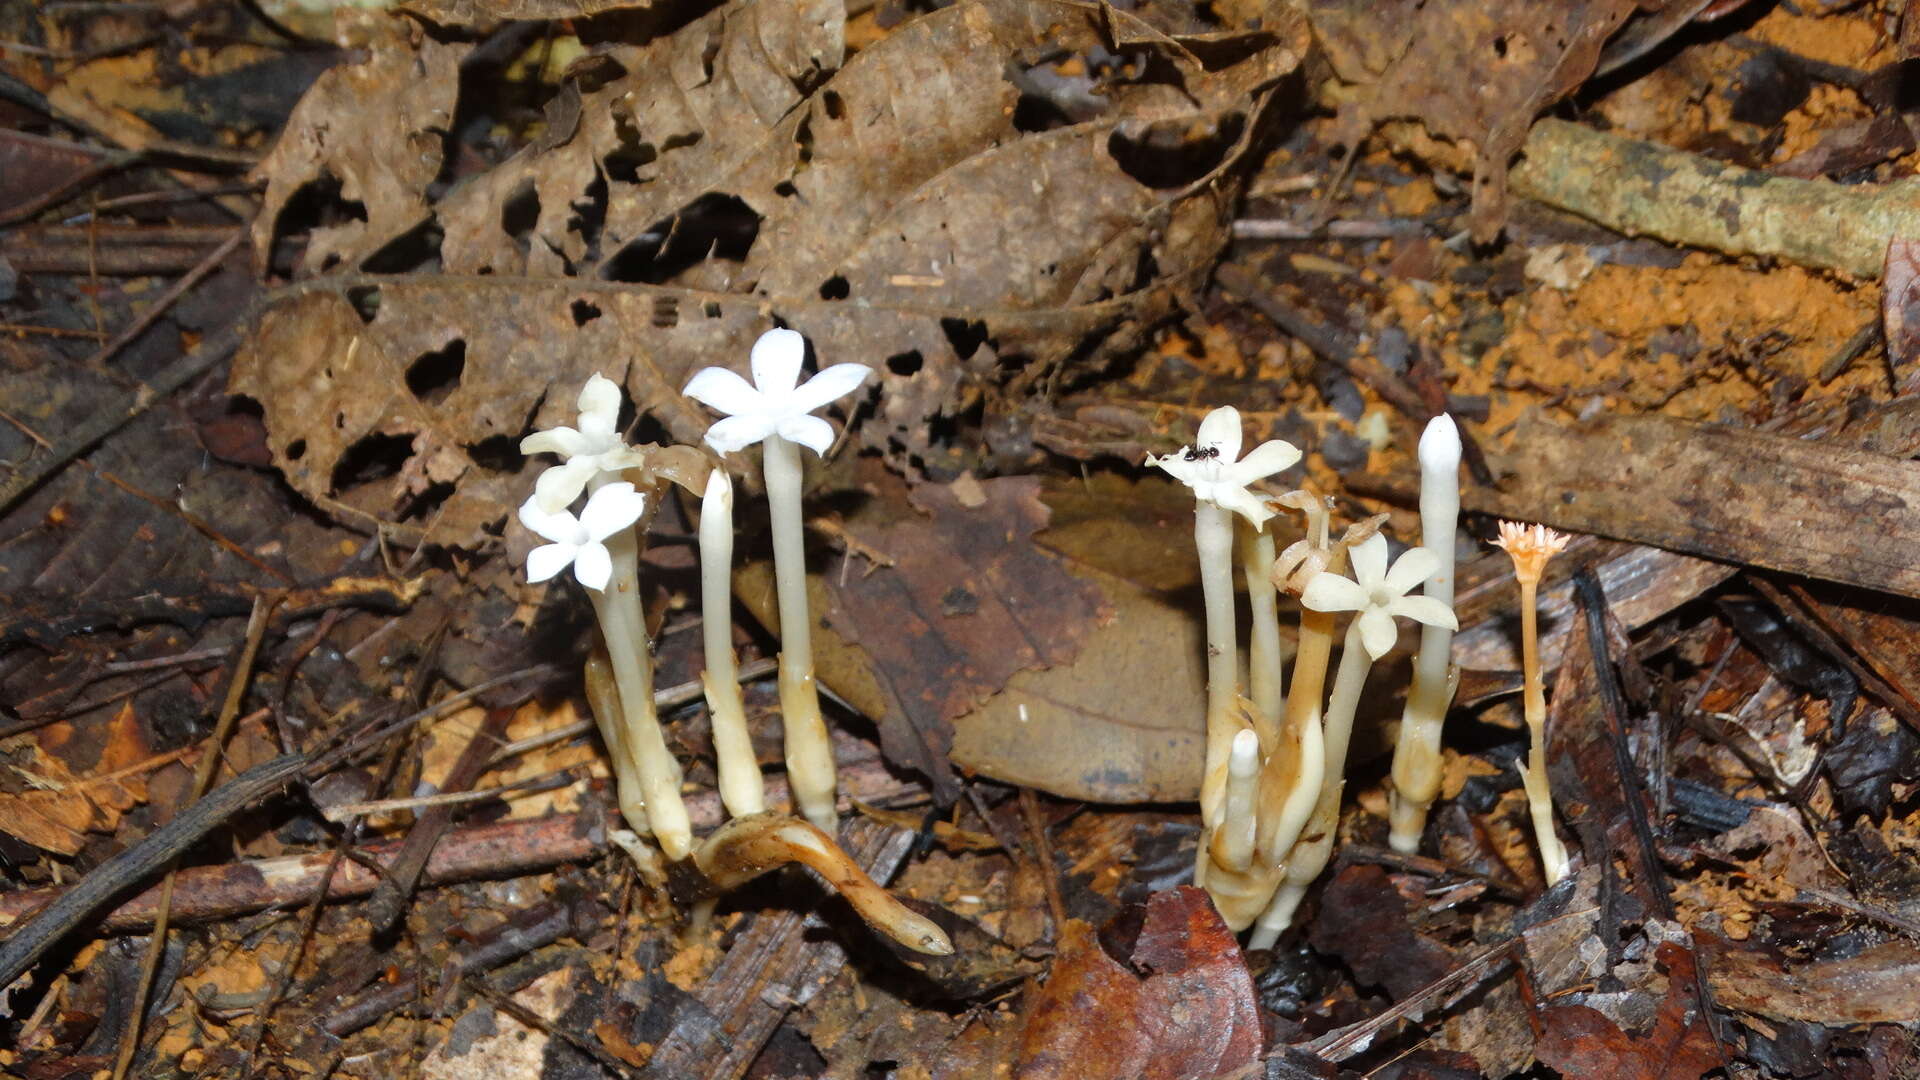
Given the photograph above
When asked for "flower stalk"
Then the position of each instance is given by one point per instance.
(1264, 673)
(1416, 757)
(1531, 548)
(1377, 595)
(776, 411)
(742, 791)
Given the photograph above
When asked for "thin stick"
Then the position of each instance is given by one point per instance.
(1043, 854)
(202, 780)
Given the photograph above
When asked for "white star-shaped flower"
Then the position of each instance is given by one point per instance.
(775, 403)
(1209, 468)
(1378, 594)
(587, 451)
(580, 542)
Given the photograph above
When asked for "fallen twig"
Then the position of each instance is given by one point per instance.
(1642, 188)
(498, 849)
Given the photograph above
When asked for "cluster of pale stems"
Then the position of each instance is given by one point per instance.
(602, 545)
(1276, 756)
(1270, 795)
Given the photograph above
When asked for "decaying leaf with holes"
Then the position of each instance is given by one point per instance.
(1405, 58)
(965, 239)
(373, 128)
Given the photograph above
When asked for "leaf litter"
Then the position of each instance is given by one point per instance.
(1009, 211)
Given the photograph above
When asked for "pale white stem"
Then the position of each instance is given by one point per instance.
(1233, 836)
(1263, 641)
(810, 767)
(1553, 855)
(645, 859)
(1416, 757)
(603, 699)
(623, 625)
(1286, 798)
(1213, 537)
(1315, 846)
(741, 788)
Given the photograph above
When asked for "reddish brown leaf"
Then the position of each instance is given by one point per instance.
(1364, 921)
(968, 601)
(1193, 1014)
(1582, 1044)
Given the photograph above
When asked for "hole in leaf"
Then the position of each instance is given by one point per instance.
(365, 300)
(583, 312)
(666, 312)
(634, 153)
(426, 502)
(296, 449)
(1174, 155)
(835, 288)
(712, 226)
(374, 457)
(836, 108)
(965, 337)
(711, 309)
(521, 212)
(906, 363)
(498, 453)
(436, 375)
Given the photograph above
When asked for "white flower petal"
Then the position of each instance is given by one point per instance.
(555, 525)
(775, 361)
(557, 487)
(1377, 632)
(829, 386)
(1370, 561)
(1221, 429)
(1331, 592)
(547, 560)
(809, 431)
(1414, 566)
(599, 406)
(612, 508)
(739, 432)
(1242, 502)
(723, 391)
(1262, 461)
(561, 440)
(1177, 466)
(1425, 609)
(593, 566)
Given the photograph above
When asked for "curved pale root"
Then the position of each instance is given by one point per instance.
(747, 847)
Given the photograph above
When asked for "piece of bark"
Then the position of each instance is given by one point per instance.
(1743, 496)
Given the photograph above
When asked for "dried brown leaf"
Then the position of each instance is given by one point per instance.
(59, 807)
(1191, 1013)
(1477, 73)
(375, 127)
(1582, 1044)
(896, 211)
(968, 602)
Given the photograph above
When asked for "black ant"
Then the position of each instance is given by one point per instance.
(1202, 453)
